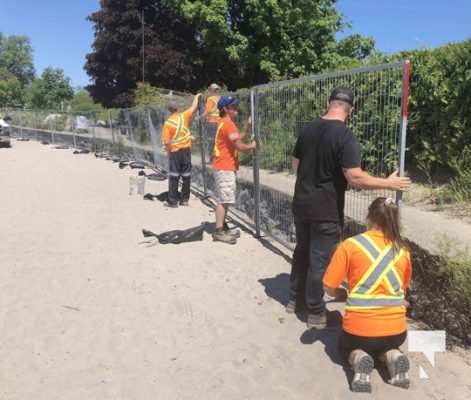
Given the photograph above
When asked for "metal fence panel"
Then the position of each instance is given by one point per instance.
(278, 111)
(282, 109)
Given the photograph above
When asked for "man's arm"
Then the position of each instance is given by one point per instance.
(340, 294)
(165, 138)
(360, 179)
(194, 105)
(239, 145)
(247, 127)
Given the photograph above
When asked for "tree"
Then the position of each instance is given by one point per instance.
(16, 69)
(51, 90)
(115, 65)
(246, 42)
(11, 90)
(82, 103)
(16, 57)
(235, 42)
(146, 94)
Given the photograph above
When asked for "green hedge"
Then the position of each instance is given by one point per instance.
(440, 105)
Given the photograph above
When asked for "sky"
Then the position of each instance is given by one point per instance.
(61, 35)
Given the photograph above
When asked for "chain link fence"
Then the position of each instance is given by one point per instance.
(278, 111)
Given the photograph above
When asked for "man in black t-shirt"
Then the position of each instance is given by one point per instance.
(326, 159)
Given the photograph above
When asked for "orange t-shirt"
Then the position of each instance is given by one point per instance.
(226, 156)
(170, 129)
(350, 263)
(211, 109)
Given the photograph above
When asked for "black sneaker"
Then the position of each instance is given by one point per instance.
(317, 321)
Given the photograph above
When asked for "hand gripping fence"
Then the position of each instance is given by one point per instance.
(278, 111)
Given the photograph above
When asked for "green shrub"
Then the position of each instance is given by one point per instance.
(456, 263)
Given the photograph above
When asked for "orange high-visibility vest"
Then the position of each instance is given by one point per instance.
(213, 112)
(180, 135)
(382, 271)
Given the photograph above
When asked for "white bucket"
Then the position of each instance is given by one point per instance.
(137, 185)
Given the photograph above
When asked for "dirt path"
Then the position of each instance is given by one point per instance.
(89, 313)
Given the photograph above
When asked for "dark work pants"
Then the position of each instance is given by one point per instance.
(315, 244)
(374, 346)
(179, 166)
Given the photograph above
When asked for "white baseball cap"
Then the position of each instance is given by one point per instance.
(214, 86)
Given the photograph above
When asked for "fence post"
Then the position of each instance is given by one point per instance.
(404, 115)
(130, 132)
(256, 164)
(51, 128)
(94, 145)
(110, 121)
(72, 130)
(202, 135)
(37, 125)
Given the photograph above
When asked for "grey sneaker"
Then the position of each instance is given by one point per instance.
(184, 203)
(170, 205)
(232, 232)
(221, 236)
(317, 321)
(362, 364)
(398, 367)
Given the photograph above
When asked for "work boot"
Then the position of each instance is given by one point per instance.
(221, 236)
(232, 232)
(316, 321)
(398, 367)
(362, 364)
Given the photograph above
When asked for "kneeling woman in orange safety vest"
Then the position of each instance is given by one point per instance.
(377, 267)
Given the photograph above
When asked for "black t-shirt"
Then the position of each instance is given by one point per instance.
(324, 147)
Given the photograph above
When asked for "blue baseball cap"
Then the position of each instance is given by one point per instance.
(226, 101)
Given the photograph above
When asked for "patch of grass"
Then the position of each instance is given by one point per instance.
(459, 188)
(456, 264)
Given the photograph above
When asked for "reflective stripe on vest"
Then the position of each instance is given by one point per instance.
(214, 113)
(382, 270)
(182, 134)
(216, 151)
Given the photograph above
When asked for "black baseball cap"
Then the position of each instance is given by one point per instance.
(342, 93)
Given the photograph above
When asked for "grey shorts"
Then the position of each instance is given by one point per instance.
(225, 186)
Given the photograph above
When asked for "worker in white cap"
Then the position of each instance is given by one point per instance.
(211, 115)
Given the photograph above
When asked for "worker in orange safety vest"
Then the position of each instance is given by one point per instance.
(177, 141)
(211, 114)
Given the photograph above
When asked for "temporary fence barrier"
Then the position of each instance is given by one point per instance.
(278, 111)
(282, 108)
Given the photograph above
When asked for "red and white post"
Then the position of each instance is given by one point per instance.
(403, 126)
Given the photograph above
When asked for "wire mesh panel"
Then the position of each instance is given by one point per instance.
(138, 136)
(282, 109)
(279, 110)
(79, 126)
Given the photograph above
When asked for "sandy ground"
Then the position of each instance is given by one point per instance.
(90, 313)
